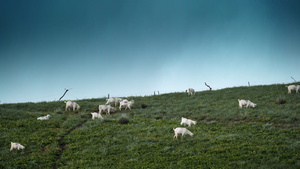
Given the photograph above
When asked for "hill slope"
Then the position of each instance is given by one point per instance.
(224, 136)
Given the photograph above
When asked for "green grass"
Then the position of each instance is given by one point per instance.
(224, 137)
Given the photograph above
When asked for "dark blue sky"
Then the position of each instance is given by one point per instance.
(134, 47)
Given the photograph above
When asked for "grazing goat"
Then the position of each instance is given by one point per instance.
(191, 92)
(182, 131)
(96, 115)
(293, 87)
(246, 103)
(106, 108)
(70, 104)
(113, 100)
(17, 146)
(127, 104)
(44, 117)
(188, 122)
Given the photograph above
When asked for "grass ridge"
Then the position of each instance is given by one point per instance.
(224, 136)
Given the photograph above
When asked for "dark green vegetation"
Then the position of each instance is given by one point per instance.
(224, 137)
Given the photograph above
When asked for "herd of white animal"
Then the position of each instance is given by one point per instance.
(71, 105)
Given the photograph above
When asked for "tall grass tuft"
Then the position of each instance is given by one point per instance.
(124, 119)
(281, 100)
(144, 106)
(58, 111)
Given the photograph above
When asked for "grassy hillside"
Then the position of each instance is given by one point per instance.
(224, 137)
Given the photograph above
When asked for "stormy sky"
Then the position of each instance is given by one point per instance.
(135, 47)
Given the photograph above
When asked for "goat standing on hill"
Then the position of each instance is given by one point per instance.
(182, 131)
(70, 104)
(188, 122)
(17, 146)
(113, 100)
(106, 108)
(96, 115)
(127, 104)
(191, 92)
(292, 88)
(246, 103)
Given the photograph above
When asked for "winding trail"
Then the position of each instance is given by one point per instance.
(62, 144)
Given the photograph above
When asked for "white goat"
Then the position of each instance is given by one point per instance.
(17, 146)
(96, 115)
(191, 92)
(106, 108)
(188, 122)
(182, 131)
(246, 103)
(44, 117)
(292, 88)
(70, 104)
(113, 100)
(127, 104)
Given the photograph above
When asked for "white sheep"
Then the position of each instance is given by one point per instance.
(127, 104)
(17, 146)
(182, 131)
(191, 92)
(70, 104)
(113, 100)
(188, 122)
(44, 117)
(246, 103)
(292, 88)
(106, 108)
(96, 115)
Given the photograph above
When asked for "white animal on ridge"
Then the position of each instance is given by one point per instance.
(96, 115)
(113, 100)
(246, 103)
(182, 131)
(292, 88)
(188, 122)
(106, 108)
(44, 117)
(191, 92)
(17, 146)
(127, 104)
(70, 104)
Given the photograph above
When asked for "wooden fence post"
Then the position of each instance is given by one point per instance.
(293, 79)
(208, 86)
(64, 94)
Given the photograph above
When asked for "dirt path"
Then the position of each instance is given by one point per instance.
(62, 144)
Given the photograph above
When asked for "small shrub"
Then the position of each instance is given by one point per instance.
(64, 118)
(124, 119)
(58, 111)
(281, 100)
(158, 117)
(144, 106)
